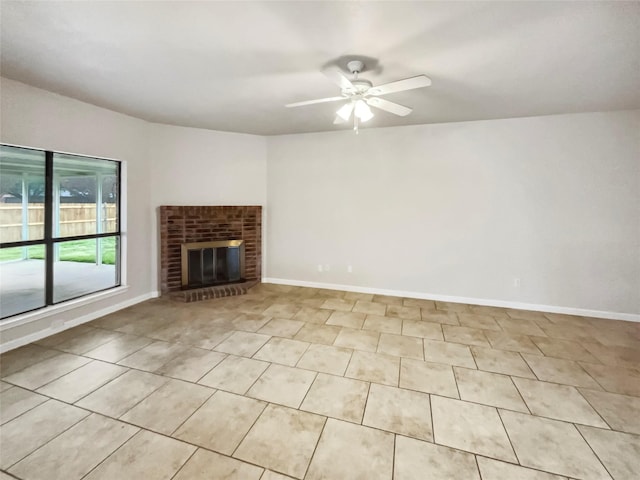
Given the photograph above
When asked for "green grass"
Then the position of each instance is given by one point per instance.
(83, 251)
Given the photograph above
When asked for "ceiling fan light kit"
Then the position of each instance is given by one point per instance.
(344, 112)
(362, 111)
(361, 94)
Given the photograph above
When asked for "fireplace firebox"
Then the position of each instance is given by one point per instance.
(212, 263)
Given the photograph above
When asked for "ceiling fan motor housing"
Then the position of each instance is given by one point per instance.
(360, 87)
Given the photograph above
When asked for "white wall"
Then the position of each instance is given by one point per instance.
(463, 209)
(190, 166)
(165, 165)
(441, 210)
(37, 118)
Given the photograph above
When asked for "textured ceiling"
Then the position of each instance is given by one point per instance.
(233, 65)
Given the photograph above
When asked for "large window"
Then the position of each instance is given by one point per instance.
(59, 227)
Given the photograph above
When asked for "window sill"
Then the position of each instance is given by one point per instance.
(45, 312)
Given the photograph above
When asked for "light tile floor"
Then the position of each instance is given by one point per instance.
(290, 382)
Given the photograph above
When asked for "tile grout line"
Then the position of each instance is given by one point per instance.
(495, 406)
(433, 429)
(83, 353)
(473, 357)
(192, 414)
(315, 448)
(258, 378)
(187, 461)
(534, 469)
(4, 375)
(154, 342)
(264, 408)
(593, 451)
(50, 381)
(134, 405)
(140, 430)
(508, 436)
(102, 385)
(353, 351)
(46, 398)
(366, 402)
(8, 474)
(592, 377)
(529, 365)
(315, 377)
(400, 367)
(197, 382)
(89, 413)
(344, 373)
(393, 457)
(594, 408)
(115, 362)
(455, 380)
(475, 457)
(520, 394)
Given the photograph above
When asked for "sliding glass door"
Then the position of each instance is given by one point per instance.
(59, 227)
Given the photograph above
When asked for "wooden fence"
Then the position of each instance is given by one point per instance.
(75, 219)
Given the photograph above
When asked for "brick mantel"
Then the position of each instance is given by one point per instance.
(186, 224)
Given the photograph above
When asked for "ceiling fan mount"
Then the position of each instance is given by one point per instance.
(358, 85)
(355, 66)
(361, 94)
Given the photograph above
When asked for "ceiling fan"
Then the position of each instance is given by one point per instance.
(360, 94)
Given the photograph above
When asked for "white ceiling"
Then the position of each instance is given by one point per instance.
(233, 65)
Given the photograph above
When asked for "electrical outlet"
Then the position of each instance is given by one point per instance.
(516, 282)
(319, 268)
(349, 269)
(327, 267)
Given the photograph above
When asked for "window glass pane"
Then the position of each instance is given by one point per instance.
(85, 196)
(21, 194)
(110, 203)
(21, 279)
(85, 266)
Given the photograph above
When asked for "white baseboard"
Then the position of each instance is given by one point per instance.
(631, 317)
(33, 337)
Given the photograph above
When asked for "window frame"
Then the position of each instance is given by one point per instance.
(49, 241)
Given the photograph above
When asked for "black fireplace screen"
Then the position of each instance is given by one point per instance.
(212, 263)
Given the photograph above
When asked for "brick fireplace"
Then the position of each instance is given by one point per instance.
(181, 225)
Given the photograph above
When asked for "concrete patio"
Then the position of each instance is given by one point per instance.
(22, 283)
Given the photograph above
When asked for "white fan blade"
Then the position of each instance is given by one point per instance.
(339, 120)
(311, 102)
(388, 106)
(401, 85)
(336, 76)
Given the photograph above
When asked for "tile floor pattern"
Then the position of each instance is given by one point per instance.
(289, 382)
